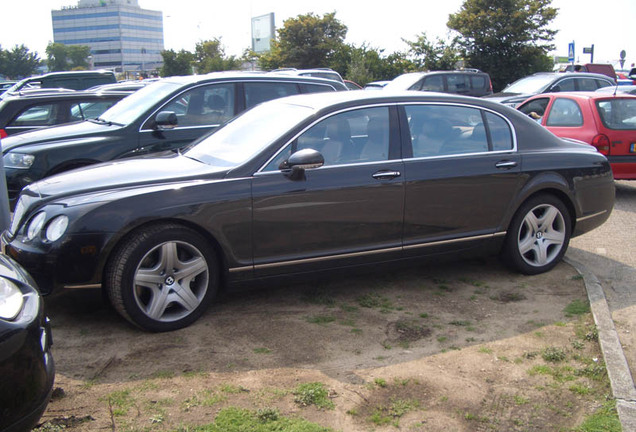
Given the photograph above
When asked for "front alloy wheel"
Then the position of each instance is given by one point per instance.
(539, 235)
(162, 277)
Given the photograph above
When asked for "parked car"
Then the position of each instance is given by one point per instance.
(74, 80)
(352, 85)
(549, 82)
(44, 109)
(605, 121)
(629, 89)
(26, 363)
(311, 183)
(325, 73)
(468, 82)
(5, 85)
(376, 85)
(166, 115)
(599, 68)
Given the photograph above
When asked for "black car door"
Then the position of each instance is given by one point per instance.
(347, 211)
(460, 175)
(199, 110)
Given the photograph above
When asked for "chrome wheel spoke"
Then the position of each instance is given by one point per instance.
(188, 270)
(185, 297)
(158, 304)
(149, 278)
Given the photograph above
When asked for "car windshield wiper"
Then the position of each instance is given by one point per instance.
(102, 121)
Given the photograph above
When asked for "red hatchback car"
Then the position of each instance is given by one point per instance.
(606, 121)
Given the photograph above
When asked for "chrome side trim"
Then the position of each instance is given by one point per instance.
(83, 286)
(457, 240)
(591, 216)
(365, 253)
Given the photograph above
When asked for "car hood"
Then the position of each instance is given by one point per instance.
(56, 133)
(128, 173)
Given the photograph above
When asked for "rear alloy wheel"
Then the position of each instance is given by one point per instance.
(539, 235)
(162, 278)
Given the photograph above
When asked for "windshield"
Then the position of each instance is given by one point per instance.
(531, 84)
(248, 134)
(131, 107)
(403, 82)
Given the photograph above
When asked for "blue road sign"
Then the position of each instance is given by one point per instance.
(571, 52)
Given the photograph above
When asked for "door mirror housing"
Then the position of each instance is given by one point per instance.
(166, 120)
(302, 160)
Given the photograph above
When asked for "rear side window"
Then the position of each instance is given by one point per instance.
(565, 112)
(587, 84)
(564, 86)
(315, 88)
(478, 82)
(37, 115)
(618, 114)
(458, 83)
(258, 92)
(441, 130)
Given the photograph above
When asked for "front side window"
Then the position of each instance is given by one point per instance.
(441, 130)
(356, 136)
(204, 105)
(89, 110)
(434, 83)
(565, 112)
(258, 92)
(563, 86)
(536, 106)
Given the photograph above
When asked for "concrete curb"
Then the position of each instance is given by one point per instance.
(620, 377)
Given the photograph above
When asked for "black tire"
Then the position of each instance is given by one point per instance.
(538, 235)
(162, 277)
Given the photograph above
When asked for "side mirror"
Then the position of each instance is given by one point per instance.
(166, 120)
(632, 74)
(302, 160)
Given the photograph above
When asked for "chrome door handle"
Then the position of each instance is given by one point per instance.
(381, 175)
(506, 164)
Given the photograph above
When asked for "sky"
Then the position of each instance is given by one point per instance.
(605, 24)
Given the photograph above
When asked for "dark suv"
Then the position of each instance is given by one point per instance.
(467, 82)
(21, 113)
(550, 82)
(74, 80)
(166, 115)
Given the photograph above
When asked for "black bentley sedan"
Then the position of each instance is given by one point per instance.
(165, 115)
(27, 370)
(311, 183)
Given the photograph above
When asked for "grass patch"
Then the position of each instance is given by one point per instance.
(375, 301)
(391, 414)
(205, 398)
(262, 350)
(554, 354)
(234, 419)
(604, 419)
(318, 296)
(313, 393)
(321, 319)
(120, 402)
(576, 307)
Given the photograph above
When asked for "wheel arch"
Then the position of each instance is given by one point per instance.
(117, 243)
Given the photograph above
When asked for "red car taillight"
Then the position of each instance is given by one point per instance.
(3, 133)
(602, 143)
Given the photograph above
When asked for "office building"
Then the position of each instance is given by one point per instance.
(121, 35)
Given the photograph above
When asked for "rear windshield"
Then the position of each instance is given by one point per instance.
(619, 114)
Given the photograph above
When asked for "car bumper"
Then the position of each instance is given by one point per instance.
(623, 168)
(26, 364)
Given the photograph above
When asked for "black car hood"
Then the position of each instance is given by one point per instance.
(56, 133)
(127, 173)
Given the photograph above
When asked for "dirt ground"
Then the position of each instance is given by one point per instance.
(454, 347)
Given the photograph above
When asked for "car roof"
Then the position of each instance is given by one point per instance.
(585, 95)
(236, 75)
(319, 101)
(71, 94)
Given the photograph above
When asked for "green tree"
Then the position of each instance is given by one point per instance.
(431, 56)
(176, 63)
(56, 57)
(78, 56)
(364, 64)
(209, 56)
(19, 62)
(307, 41)
(506, 38)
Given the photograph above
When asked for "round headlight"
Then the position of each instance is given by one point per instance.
(35, 226)
(57, 228)
(11, 299)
